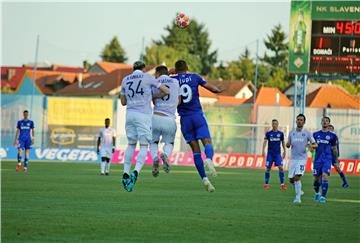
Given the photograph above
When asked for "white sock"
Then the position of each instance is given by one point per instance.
(107, 167)
(298, 189)
(129, 154)
(154, 150)
(102, 167)
(141, 158)
(168, 148)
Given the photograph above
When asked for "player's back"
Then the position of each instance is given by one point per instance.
(168, 104)
(136, 87)
(189, 89)
(25, 127)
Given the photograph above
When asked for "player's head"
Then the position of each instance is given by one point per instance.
(181, 66)
(300, 120)
(26, 114)
(274, 124)
(139, 65)
(331, 127)
(161, 70)
(107, 122)
(325, 122)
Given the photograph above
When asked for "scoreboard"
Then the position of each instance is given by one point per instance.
(335, 47)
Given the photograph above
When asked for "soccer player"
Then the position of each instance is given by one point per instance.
(298, 140)
(136, 95)
(325, 153)
(336, 163)
(107, 142)
(193, 123)
(274, 137)
(24, 138)
(163, 120)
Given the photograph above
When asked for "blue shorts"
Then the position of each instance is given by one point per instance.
(320, 167)
(194, 127)
(24, 143)
(273, 158)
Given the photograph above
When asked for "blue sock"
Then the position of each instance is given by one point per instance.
(267, 177)
(19, 158)
(320, 180)
(26, 161)
(209, 151)
(342, 175)
(281, 176)
(317, 186)
(199, 164)
(324, 187)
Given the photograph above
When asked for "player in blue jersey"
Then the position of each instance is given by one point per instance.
(274, 138)
(192, 120)
(24, 138)
(325, 153)
(336, 163)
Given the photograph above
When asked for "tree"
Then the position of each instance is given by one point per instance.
(278, 79)
(113, 52)
(193, 40)
(353, 89)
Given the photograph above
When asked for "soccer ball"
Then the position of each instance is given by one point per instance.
(182, 21)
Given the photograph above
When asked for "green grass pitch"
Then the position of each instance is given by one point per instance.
(71, 202)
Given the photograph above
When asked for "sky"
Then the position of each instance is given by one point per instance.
(70, 33)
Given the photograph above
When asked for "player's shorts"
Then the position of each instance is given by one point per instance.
(138, 127)
(321, 167)
(24, 143)
(164, 127)
(194, 127)
(296, 167)
(106, 152)
(273, 158)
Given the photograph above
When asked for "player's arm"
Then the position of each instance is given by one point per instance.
(123, 99)
(335, 152)
(114, 143)
(284, 148)
(180, 100)
(98, 145)
(32, 135)
(16, 137)
(264, 146)
(213, 88)
(288, 144)
(164, 91)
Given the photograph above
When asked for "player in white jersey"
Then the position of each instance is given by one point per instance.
(163, 120)
(106, 142)
(299, 139)
(137, 96)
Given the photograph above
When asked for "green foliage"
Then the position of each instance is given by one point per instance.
(278, 79)
(351, 88)
(278, 47)
(113, 52)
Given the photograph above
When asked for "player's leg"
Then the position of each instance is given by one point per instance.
(19, 157)
(299, 171)
(317, 180)
(26, 159)
(268, 164)
(108, 162)
(168, 137)
(279, 164)
(132, 137)
(154, 146)
(341, 174)
(102, 165)
(326, 168)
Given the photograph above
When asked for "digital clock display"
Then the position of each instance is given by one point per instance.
(335, 47)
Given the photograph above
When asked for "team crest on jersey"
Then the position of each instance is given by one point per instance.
(303, 134)
(278, 135)
(327, 137)
(28, 124)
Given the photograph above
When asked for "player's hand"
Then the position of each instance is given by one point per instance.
(311, 149)
(284, 155)
(288, 145)
(113, 150)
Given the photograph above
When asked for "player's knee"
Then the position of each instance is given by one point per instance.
(291, 180)
(281, 168)
(267, 169)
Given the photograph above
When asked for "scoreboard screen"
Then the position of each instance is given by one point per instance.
(335, 47)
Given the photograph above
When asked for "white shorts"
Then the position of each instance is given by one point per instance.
(106, 152)
(297, 167)
(164, 127)
(138, 127)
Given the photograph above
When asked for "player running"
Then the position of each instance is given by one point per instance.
(136, 95)
(298, 140)
(107, 142)
(163, 120)
(193, 123)
(325, 153)
(336, 163)
(274, 137)
(24, 138)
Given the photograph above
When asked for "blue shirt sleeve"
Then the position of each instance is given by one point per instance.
(266, 136)
(32, 125)
(18, 125)
(282, 136)
(334, 140)
(201, 81)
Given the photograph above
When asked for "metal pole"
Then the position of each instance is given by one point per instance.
(35, 66)
(301, 105)
(256, 70)
(295, 99)
(304, 90)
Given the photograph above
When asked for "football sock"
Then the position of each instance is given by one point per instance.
(342, 175)
(317, 186)
(19, 159)
(168, 148)
(102, 167)
(298, 189)
(199, 164)
(209, 151)
(154, 150)
(140, 160)
(129, 153)
(281, 176)
(26, 161)
(107, 167)
(324, 187)
(267, 177)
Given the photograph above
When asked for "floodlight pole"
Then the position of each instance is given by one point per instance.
(35, 67)
(295, 99)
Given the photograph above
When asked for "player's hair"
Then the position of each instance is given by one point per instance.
(273, 120)
(26, 111)
(180, 66)
(331, 126)
(301, 115)
(107, 119)
(138, 65)
(326, 117)
(162, 70)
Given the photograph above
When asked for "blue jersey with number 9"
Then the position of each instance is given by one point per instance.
(189, 90)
